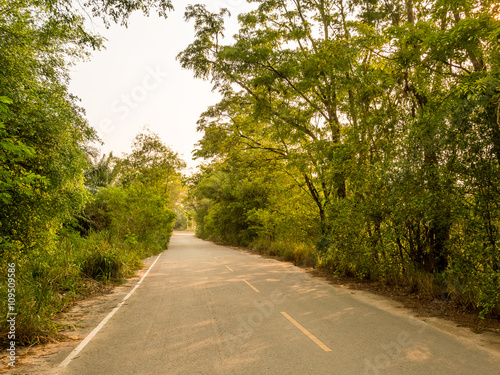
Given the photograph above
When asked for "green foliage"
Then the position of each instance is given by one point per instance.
(231, 200)
(101, 172)
(136, 212)
(102, 264)
(129, 218)
(119, 11)
(139, 194)
(152, 164)
(43, 133)
(44, 154)
(13, 177)
(386, 115)
(44, 136)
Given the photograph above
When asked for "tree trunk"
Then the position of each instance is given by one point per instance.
(409, 11)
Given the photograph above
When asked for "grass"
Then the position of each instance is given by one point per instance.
(50, 281)
(300, 254)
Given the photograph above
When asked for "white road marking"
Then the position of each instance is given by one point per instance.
(91, 335)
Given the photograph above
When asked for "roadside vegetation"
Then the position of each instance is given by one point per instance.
(362, 137)
(71, 221)
(128, 215)
(359, 136)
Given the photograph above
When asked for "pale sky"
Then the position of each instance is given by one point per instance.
(136, 81)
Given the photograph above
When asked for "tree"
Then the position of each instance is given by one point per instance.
(45, 119)
(154, 165)
(44, 133)
(141, 203)
(247, 198)
(293, 63)
(386, 113)
(102, 171)
(13, 178)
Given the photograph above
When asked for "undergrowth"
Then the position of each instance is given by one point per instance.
(50, 281)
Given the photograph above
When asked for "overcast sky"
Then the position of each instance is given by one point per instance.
(136, 81)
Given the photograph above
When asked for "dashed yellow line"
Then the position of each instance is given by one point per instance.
(230, 269)
(306, 332)
(251, 286)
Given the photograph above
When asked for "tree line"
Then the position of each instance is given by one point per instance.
(361, 136)
(71, 221)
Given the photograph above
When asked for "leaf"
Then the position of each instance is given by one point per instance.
(6, 100)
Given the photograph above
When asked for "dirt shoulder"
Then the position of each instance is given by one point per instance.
(74, 325)
(421, 306)
(445, 315)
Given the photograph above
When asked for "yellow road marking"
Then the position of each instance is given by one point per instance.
(228, 268)
(251, 286)
(306, 332)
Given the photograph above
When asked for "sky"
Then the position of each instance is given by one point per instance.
(137, 82)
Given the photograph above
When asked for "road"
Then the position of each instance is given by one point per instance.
(208, 309)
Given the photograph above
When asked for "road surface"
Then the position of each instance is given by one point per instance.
(208, 309)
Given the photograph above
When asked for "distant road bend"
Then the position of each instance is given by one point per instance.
(208, 309)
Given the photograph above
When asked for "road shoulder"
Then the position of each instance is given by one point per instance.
(443, 315)
(77, 323)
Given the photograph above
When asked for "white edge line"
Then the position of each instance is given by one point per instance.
(91, 335)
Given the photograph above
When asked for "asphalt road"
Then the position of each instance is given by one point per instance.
(208, 309)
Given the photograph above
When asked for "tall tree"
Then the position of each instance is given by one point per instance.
(293, 63)
(44, 133)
